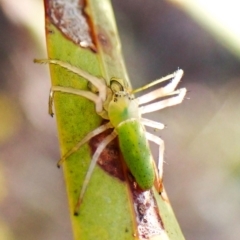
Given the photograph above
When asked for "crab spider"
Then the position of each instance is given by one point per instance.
(124, 112)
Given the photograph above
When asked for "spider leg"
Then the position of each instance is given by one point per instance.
(87, 94)
(97, 82)
(164, 103)
(151, 123)
(89, 136)
(164, 91)
(160, 143)
(95, 157)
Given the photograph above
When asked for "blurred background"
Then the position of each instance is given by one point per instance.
(202, 138)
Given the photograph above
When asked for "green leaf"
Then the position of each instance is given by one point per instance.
(112, 208)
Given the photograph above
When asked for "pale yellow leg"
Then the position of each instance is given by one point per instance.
(95, 157)
(97, 82)
(164, 91)
(164, 103)
(87, 94)
(89, 136)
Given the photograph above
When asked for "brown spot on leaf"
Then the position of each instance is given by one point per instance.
(149, 222)
(70, 18)
(109, 159)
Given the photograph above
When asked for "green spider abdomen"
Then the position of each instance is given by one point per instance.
(136, 152)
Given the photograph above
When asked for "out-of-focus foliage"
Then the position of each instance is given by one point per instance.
(220, 18)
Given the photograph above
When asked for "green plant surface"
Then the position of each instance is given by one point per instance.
(110, 207)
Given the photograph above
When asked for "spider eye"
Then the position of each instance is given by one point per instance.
(115, 85)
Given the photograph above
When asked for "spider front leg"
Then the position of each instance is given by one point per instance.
(165, 103)
(97, 99)
(87, 94)
(97, 82)
(161, 92)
